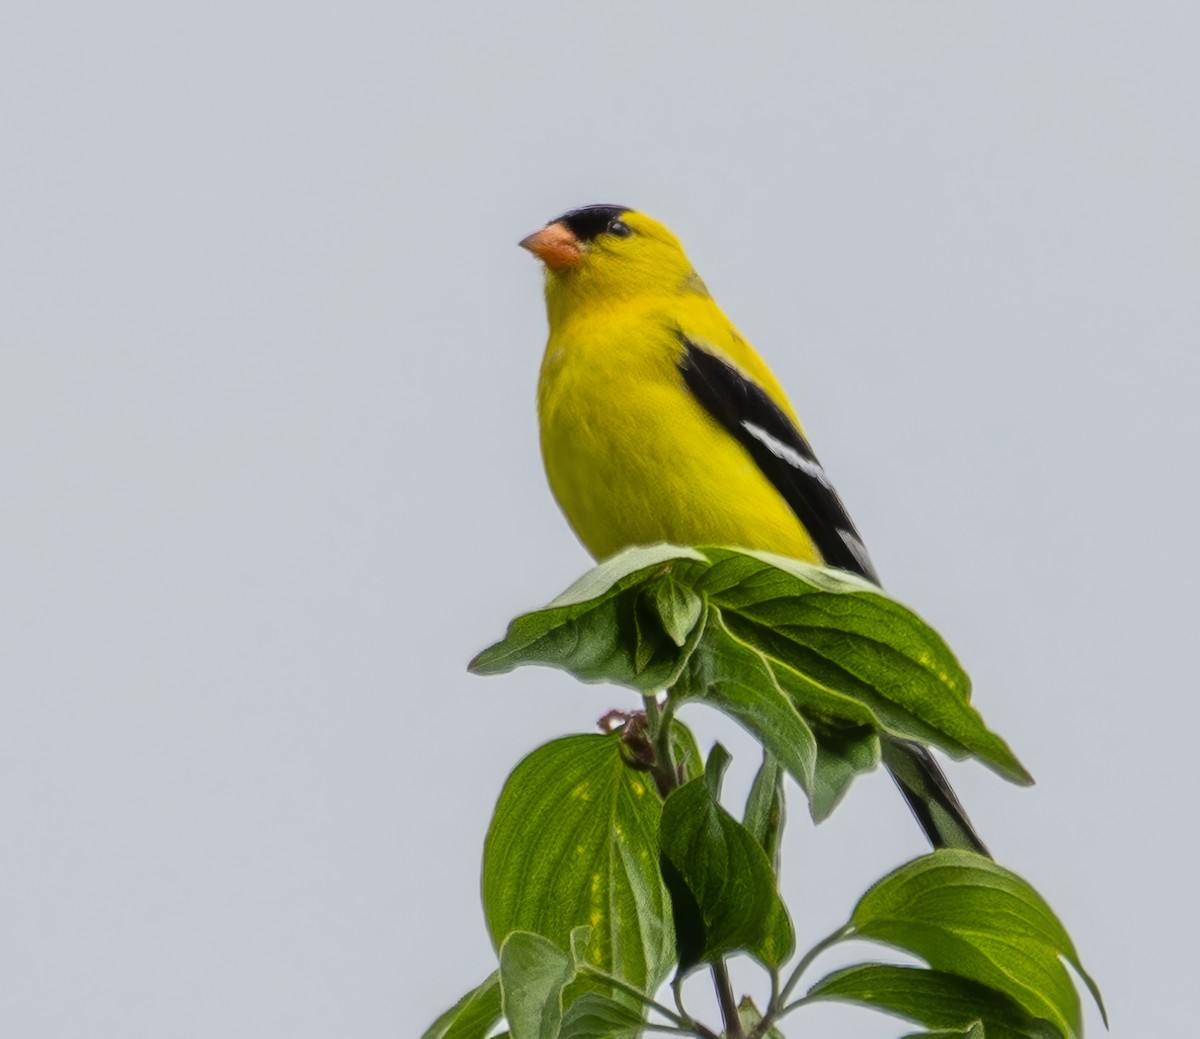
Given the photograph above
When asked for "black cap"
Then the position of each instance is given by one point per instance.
(590, 221)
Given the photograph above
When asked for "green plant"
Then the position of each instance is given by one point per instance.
(611, 865)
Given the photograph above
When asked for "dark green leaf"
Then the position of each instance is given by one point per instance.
(843, 752)
(831, 637)
(651, 642)
(933, 999)
(533, 974)
(574, 842)
(722, 888)
(765, 809)
(685, 751)
(750, 1017)
(737, 680)
(473, 1016)
(596, 630)
(595, 1016)
(714, 769)
(966, 915)
(780, 646)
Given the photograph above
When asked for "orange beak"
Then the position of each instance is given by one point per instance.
(556, 246)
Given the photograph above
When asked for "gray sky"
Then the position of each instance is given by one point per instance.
(270, 470)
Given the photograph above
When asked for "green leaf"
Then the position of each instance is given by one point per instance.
(940, 1001)
(533, 974)
(722, 889)
(595, 1016)
(843, 752)
(574, 842)
(965, 915)
(973, 1031)
(473, 1016)
(751, 1018)
(774, 629)
(843, 649)
(679, 609)
(766, 813)
(735, 678)
(599, 629)
(714, 769)
(686, 751)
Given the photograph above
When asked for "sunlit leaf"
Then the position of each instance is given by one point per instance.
(574, 842)
(472, 1017)
(779, 645)
(966, 915)
(831, 637)
(751, 1018)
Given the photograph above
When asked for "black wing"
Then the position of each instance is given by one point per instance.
(785, 458)
(780, 452)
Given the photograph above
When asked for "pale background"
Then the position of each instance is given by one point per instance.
(270, 473)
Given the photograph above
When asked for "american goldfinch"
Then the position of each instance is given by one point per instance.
(659, 422)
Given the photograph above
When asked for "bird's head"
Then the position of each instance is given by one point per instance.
(606, 254)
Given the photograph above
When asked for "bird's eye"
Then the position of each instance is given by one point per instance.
(619, 228)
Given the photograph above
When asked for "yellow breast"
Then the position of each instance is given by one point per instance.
(632, 457)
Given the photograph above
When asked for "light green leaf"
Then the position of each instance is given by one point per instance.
(944, 1002)
(533, 974)
(595, 1016)
(751, 1018)
(722, 889)
(766, 812)
(966, 915)
(679, 609)
(473, 1016)
(574, 842)
(597, 629)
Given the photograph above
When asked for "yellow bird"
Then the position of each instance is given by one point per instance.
(659, 422)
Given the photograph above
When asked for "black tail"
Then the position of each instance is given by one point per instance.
(928, 793)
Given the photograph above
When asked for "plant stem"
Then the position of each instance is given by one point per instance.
(784, 1011)
(684, 1024)
(840, 935)
(668, 777)
(727, 1001)
(665, 772)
